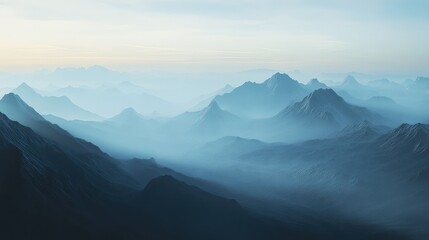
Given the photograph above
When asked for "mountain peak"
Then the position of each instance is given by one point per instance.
(323, 96)
(350, 81)
(315, 84)
(16, 109)
(11, 98)
(277, 79)
(314, 81)
(324, 105)
(24, 88)
(126, 115)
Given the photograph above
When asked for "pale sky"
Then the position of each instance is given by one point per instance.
(374, 36)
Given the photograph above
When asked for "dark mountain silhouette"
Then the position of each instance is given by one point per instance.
(192, 210)
(51, 193)
(262, 99)
(324, 107)
(48, 193)
(59, 106)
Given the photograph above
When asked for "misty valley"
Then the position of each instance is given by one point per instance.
(265, 158)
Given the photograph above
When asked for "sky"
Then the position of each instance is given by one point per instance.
(372, 36)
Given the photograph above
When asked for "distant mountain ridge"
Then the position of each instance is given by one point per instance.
(59, 106)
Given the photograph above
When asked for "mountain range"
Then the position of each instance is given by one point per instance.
(117, 98)
(272, 160)
(53, 190)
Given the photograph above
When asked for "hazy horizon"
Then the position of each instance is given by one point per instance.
(376, 37)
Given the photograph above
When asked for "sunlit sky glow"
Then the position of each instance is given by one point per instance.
(224, 35)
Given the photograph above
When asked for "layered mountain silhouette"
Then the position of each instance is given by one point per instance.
(115, 99)
(121, 135)
(258, 100)
(58, 106)
(51, 192)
